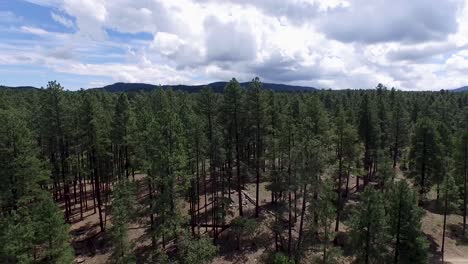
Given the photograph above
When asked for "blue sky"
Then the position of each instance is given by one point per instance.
(410, 45)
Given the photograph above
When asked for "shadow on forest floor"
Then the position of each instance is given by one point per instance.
(456, 233)
(95, 244)
(433, 206)
(436, 256)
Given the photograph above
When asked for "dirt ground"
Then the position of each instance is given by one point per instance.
(91, 246)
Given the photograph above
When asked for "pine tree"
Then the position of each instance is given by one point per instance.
(243, 228)
(383, 115)
(351, 153)
(280, 258)
(312, 155)
(32, 227)
(451, 202)
(196, 144)
(257, 114)
(461, 164)
(368, 228)
(208, 109)
(51, 233)
(369, 134)
(233, 110)
(94, 139)
(166, 163)
(122, 213)
(55, 129)
(346, 152)
(410, 245)
(21, 172)
(326, 211)
(385, 174)
(294, 114)
(123, 131)
(16, 238)
(197, 250)
(425, 155)
(398, 130)
(275, 127)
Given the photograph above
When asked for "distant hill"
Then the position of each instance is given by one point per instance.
(18, 87)
(461, 89)
(216, 86)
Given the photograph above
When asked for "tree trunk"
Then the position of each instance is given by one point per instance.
(444, 225)
(150, 191)
(97, 189)
(258, 148)
(347, 182)
(357, 183)
(80, 185)
(338, 191)
(289, 224)
(301, 223)
(465, 158)
(85, 188)
(295, 203)
(205, 193)
(239, 179)
(289, 199)
(395, 146)
(257, 188)
(325, 246)
(367, 240)
(423, 173)
(127, 162)
(397, 243)
(198, 189)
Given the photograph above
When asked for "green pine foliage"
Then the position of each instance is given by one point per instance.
(198, 250)
(51, 233)
(425, 155)
(122, 213)
(317, 167)
(409, 244)
(32, 227)
(369, 228)
(243, 228)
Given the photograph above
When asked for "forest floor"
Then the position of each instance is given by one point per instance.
(456, 248)
(93, 247)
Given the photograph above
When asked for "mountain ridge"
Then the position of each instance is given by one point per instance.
(461, 89)
(216, 86)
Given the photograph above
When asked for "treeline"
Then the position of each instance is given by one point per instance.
(316, 154)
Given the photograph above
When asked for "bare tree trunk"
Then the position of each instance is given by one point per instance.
(347, 182)
(205, 191)
(338, 191)
(80, 185)
(444, 226)
(289, 224)
(97, 189)
(397, 243)
(395, 147)
(301, 223)
(465, 158)
(423, 173)
(258, 148)
(150, 191)
(198, 189)
(239, 179)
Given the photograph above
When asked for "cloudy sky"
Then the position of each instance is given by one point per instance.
(410, 45)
